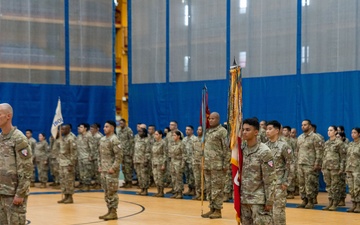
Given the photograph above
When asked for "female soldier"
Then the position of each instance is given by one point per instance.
(177, 164)
(342, 137)
(333, 167)
(353, 170)
(41, 159)
(158, 159)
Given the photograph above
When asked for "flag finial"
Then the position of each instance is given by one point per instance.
(234, 62)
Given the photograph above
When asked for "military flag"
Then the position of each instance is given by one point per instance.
(57, 121)
(234, 122)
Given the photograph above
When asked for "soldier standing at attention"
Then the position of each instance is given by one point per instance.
(32, 143)
(196, 163)
(283, 158)
(96, 136)
(258, 178)
(15, 170)
(67, 160)
(42, 159)
(126, 139)
(85, 156)
(54, 162)
(177, 164)
(189, 151)
(292, 143)
(158, 161)
(217, 158)
(309, 148)
(109, 167)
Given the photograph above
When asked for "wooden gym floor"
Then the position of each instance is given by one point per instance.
(43, 209)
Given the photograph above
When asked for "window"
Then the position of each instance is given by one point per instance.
(305, 3)
(242, 57)
(242, 6)
(186, 63)
(305, 54)
(186, 13)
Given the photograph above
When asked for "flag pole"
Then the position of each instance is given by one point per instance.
(203, 124)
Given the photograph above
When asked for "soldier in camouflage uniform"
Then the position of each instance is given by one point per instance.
(126, 138)
(54, 162)
(189, 149)
(141, 159)
(67, 160)
(353, 170)
(32, 143)
(151, 132)
(293, 133)
(42, 159)
(292, 143)
(109, 166)
(177, 164)
(342, 137)
(309, 148)
(333, 166)
(314, 127)
(217, 158)
(15, 170)
(96, 136)
(158, 161)
(85, 156)
(283, 159)
(258, 178)
(196, 163)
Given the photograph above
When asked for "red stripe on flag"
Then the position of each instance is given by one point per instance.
(236, 175)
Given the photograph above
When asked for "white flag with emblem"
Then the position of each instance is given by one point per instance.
(58, 120)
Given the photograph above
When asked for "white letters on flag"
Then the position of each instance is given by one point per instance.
(58, 120)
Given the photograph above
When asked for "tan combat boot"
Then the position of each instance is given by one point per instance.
(42, 185)
(102, 217)
(342, 202)
(158, 192)
(357, 209)
(330, 204)
(334, 206)
(112, 215)
(188, 192)
(62, 200)
(197, 197)
(179, 195)
(352, 208)
(128, 184)
(303, 204)
(145, 192)
(140, 192)
(69, 200)
(216, 214)
(174, 195)
(207, 215)
(161, 192)
(85, 188)
(192, 192)
(310, 204)
(290, 195)
(32, 184)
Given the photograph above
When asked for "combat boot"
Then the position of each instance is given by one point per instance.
(303, 204)
(216, 214)
(140, 192)
(128, 184)
(357, 209)
(42, 185)
(52, 184)
(170, 192)
(188, 192)
(310, 204)
(207, 215)
(192, 192)
(352, 208)
(196, 197)
(112, 215)
(32, 184)
(179, 195)
(69, 200)
(329, 206)
(62, 200)
(85, 188)
(144, 192)
(158, 192)
(315, 200)
(342, 202)
(102, 217)
(334, 206)
(290, 195)
(161, 192)
(174, 195)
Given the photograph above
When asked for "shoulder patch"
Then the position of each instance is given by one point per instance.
(24, 152)
(289, 150)
(270, 163)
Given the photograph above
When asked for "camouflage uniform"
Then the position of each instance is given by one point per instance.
(141, 160)
(85, 155)
(126, 139)
(41, 159)
(54, 162)
(283, 159)
(258, 181)
(169, 140)
(32, 142)
(353, 171)
(309, 148)
(110, 157)
(15, 174)
(333, 163)
(189, 149)
(158, 159)
(196, 165)
(262, 136)
(293, 167)
(177, 164)
(67, 158)
(95, 143)
(217, 158)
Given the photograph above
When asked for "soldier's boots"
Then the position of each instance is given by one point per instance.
(170, 192)
(85, 188)
(32, 184)
(296, 192)
(102, 217)
(207, 215)
(329, 206)
(158, 192)
(190, 192)
(310, 204)
(62, 200)
(342, 202)
(140, 192)
(69, 200)
(357, 209)
(179, 195)
(128, 184)
(144, 192)
(174, 195)
(290, 195)
(112, 215)
(57, 186)
(216, 214)
(303, 204)
(334, 206)
(352, 208)
(315, 200)
(52, 184)
(161, 192)
(197, 197)
(42, 185)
